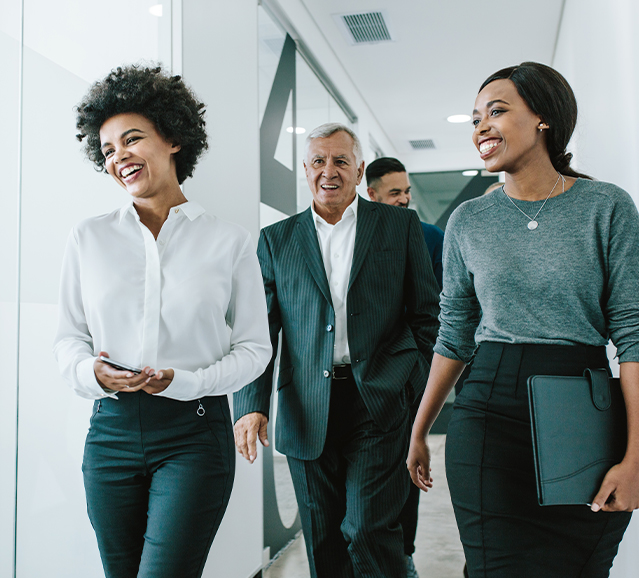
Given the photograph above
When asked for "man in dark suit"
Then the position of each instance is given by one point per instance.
(349, 285)
(388, 183)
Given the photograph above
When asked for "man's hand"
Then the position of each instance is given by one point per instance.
(247, 429)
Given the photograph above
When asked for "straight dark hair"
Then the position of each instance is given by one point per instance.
(381, 167)
(548, 94)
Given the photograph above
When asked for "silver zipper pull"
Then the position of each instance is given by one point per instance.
(200, 410)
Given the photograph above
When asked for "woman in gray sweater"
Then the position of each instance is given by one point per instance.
(538, 276)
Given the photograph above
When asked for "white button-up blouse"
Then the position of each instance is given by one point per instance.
(192, 300)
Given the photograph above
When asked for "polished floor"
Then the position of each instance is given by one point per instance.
(439, 552)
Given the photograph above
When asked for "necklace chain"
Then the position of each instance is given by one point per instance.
(533, 220)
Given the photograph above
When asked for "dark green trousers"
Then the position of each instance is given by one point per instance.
(350, 497)
(158, 475)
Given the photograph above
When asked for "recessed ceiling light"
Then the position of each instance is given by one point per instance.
(470, 173)
(298, 130)
(156, 10)
(458, 118)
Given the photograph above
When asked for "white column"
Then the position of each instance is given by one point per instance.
(219, 61)
(598, 53)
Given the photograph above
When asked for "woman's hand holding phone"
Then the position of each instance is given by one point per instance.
(122, 379)
(159, 382)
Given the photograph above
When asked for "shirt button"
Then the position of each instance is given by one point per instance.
(327, 373)
(336, 255)
(161, 242)
(177, 210)
(329, 328)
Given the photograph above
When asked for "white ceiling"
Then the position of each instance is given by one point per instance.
(443, 52)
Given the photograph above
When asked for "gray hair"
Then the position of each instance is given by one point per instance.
(330, 128)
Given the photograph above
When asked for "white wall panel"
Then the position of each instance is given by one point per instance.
(55, 537)
(598, 52)
(219, 61)
(10, 27)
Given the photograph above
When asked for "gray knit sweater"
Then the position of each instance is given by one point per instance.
(573, 280)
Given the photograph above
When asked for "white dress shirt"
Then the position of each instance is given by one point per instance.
(192, 300)
(336, 244)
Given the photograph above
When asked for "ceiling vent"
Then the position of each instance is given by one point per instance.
(423, 144)
(364, 27)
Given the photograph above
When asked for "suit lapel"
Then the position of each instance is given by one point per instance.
(306, 236)
(367, 216)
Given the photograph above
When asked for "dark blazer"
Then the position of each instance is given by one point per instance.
(434, 238)
(392, 308)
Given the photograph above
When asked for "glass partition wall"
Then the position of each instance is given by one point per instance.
(51, 52)
(292, 102)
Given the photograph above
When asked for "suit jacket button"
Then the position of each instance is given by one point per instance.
(327, 373)
(329, 328)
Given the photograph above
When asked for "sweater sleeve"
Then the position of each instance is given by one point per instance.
(622, 305)
(460, 312)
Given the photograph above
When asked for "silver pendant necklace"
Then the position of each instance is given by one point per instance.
(532, 221)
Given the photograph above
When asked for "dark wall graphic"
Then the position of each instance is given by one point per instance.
(277, 182)
(278, 190)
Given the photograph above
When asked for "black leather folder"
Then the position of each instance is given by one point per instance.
(579, 433)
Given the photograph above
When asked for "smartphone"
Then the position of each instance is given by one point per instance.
(119, 365)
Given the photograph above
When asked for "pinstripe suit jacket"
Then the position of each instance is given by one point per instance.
(392, 307)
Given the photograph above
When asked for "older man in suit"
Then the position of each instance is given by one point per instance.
(349, 284)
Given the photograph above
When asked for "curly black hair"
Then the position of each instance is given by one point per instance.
(165, 100)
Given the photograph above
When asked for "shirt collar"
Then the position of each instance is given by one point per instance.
(350, 210)
(190, 209)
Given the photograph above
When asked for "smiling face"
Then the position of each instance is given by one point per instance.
(507, 133)
(332, 173)
(137, 156)
(391, 189)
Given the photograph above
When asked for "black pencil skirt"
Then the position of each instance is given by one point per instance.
(490, 470)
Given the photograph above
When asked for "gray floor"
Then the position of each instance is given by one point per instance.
(439, 552)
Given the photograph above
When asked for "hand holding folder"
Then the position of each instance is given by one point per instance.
(579, 433)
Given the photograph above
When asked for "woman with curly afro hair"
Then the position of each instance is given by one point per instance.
(162, 313)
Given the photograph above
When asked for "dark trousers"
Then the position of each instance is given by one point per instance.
(350, 497)
(158, 477)
(410, 512)
(490, 470)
